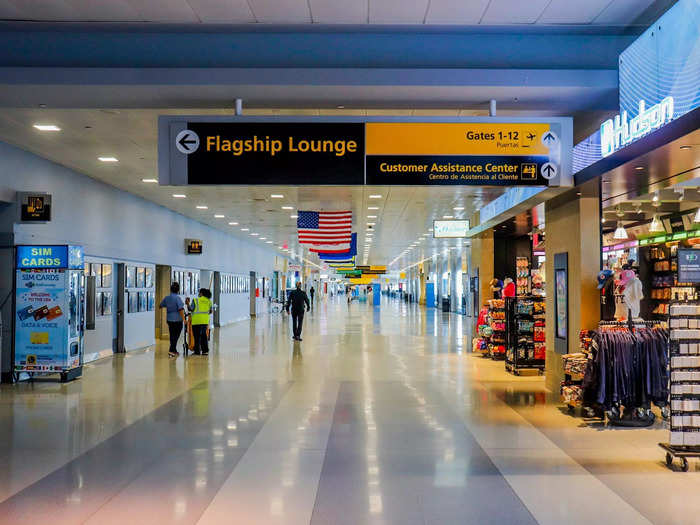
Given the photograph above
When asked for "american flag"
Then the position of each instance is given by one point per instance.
(326, 231)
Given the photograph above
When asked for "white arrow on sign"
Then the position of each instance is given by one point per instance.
(549, 139)
(548, 170)
(187, 141)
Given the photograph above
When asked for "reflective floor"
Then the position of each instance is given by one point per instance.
(380, 415)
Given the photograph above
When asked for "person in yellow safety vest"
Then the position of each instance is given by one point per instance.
(201, 308)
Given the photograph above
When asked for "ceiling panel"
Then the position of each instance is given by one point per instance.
(335, 12)
(163, 10)
(514, 11)
(58, 10)
(451, 12)
(89, 10)
(281, 11)
(568, 12)
(622, 12)
(8, 10)
(397, 11)
(232, 11)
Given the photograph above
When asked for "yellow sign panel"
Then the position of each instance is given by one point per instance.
(402, 275)
(378, 268)
(362, 280)
(455, 138)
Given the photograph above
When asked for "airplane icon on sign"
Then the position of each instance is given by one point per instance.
(531, 136)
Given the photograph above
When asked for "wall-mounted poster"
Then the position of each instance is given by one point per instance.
(96, 272)
(107, 303)
(143, 302)
(106, 275)
(561, 298)
(151, 301)
(98, 304)
(133, 301)
(149, 278)
(130, 276)
(140, 277)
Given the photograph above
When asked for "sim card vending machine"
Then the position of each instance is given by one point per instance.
(49, 299)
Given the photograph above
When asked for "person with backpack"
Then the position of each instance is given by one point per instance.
(200, 308)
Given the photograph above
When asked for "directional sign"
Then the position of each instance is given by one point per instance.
(549, 170)
(187, 141)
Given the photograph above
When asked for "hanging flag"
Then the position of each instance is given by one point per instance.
(334, 256)
(324, 229)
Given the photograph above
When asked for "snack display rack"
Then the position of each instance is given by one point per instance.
(523, 281)
(525, 324)
(496, 346)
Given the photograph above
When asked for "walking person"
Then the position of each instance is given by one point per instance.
(297, 299)
(201, 308)
(312, 292)
(175, 316)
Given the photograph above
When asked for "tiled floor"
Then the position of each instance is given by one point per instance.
(381, 415)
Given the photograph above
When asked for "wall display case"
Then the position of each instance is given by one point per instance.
(130, 276)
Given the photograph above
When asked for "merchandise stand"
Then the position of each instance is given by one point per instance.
(684, 349)
(497, 321)
(525, 335)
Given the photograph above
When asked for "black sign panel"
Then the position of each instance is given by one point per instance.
(35, 207)
(194, 246)
(689, 266)
(459, 169)
(274, 153)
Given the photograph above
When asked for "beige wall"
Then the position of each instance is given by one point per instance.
(572, 227)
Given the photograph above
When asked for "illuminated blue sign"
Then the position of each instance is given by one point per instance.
(618, 132)
(49, 256)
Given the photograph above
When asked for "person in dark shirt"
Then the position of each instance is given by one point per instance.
(312, 292)
(296, 301)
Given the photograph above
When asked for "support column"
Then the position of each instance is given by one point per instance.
(455, 265)
(573, 228)
(482, 263)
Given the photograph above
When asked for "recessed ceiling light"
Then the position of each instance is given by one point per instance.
(263, 238)
(371, 223)
(47, 127)
(287, 207)
(201, 207)
(371, 216)
(108, 159)
(293, 216)
(268, 242)
(149, 180)
(255, 234)
(245, 229)
(685, 146)
(233, 224)
(340, 106)
(179, 195)
(448, 216)
(277, 196)
(373, 208)
(219, 216)
(375, 196)
(639, 168)
(458, 208)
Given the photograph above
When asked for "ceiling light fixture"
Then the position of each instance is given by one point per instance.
(200, 207)
(458, 208)
(149, 181)
(233, 224)
(179, 195)
(656, 225)
(685, 146)
(602, 221)
(639, 168)
(620, 232)
(373, 208)
(219, 216)
(371, 224)
(287, 207)
(108, 159)
(371, 216)
(293, 216)
(255, 234)
(448, 216)
(47, 127)
(277, 196)
(268, 242)
(655, 198)
(263, 238)
(245, 229)
(375, 196)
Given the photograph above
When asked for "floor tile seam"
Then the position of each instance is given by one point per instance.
(90, 448)
(584, 471)
(279, 407)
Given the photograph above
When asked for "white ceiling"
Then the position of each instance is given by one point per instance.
(405, 213)
(432, 12)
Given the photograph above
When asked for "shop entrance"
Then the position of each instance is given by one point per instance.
(120, 318)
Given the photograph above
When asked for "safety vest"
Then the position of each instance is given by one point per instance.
(200, 315)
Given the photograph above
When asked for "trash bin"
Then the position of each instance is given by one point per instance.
(445, 305)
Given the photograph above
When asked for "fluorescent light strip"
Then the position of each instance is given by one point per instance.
(47, 127)
(179, 195)
(150, 181)
(108, 159)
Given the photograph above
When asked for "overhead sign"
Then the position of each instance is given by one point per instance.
(194, 247)
(203, 150)
(269, 153)
(452, 229)
(480, 153)
(42, 257)
(34, 207)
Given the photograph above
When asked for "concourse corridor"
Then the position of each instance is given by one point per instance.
(381, 415)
